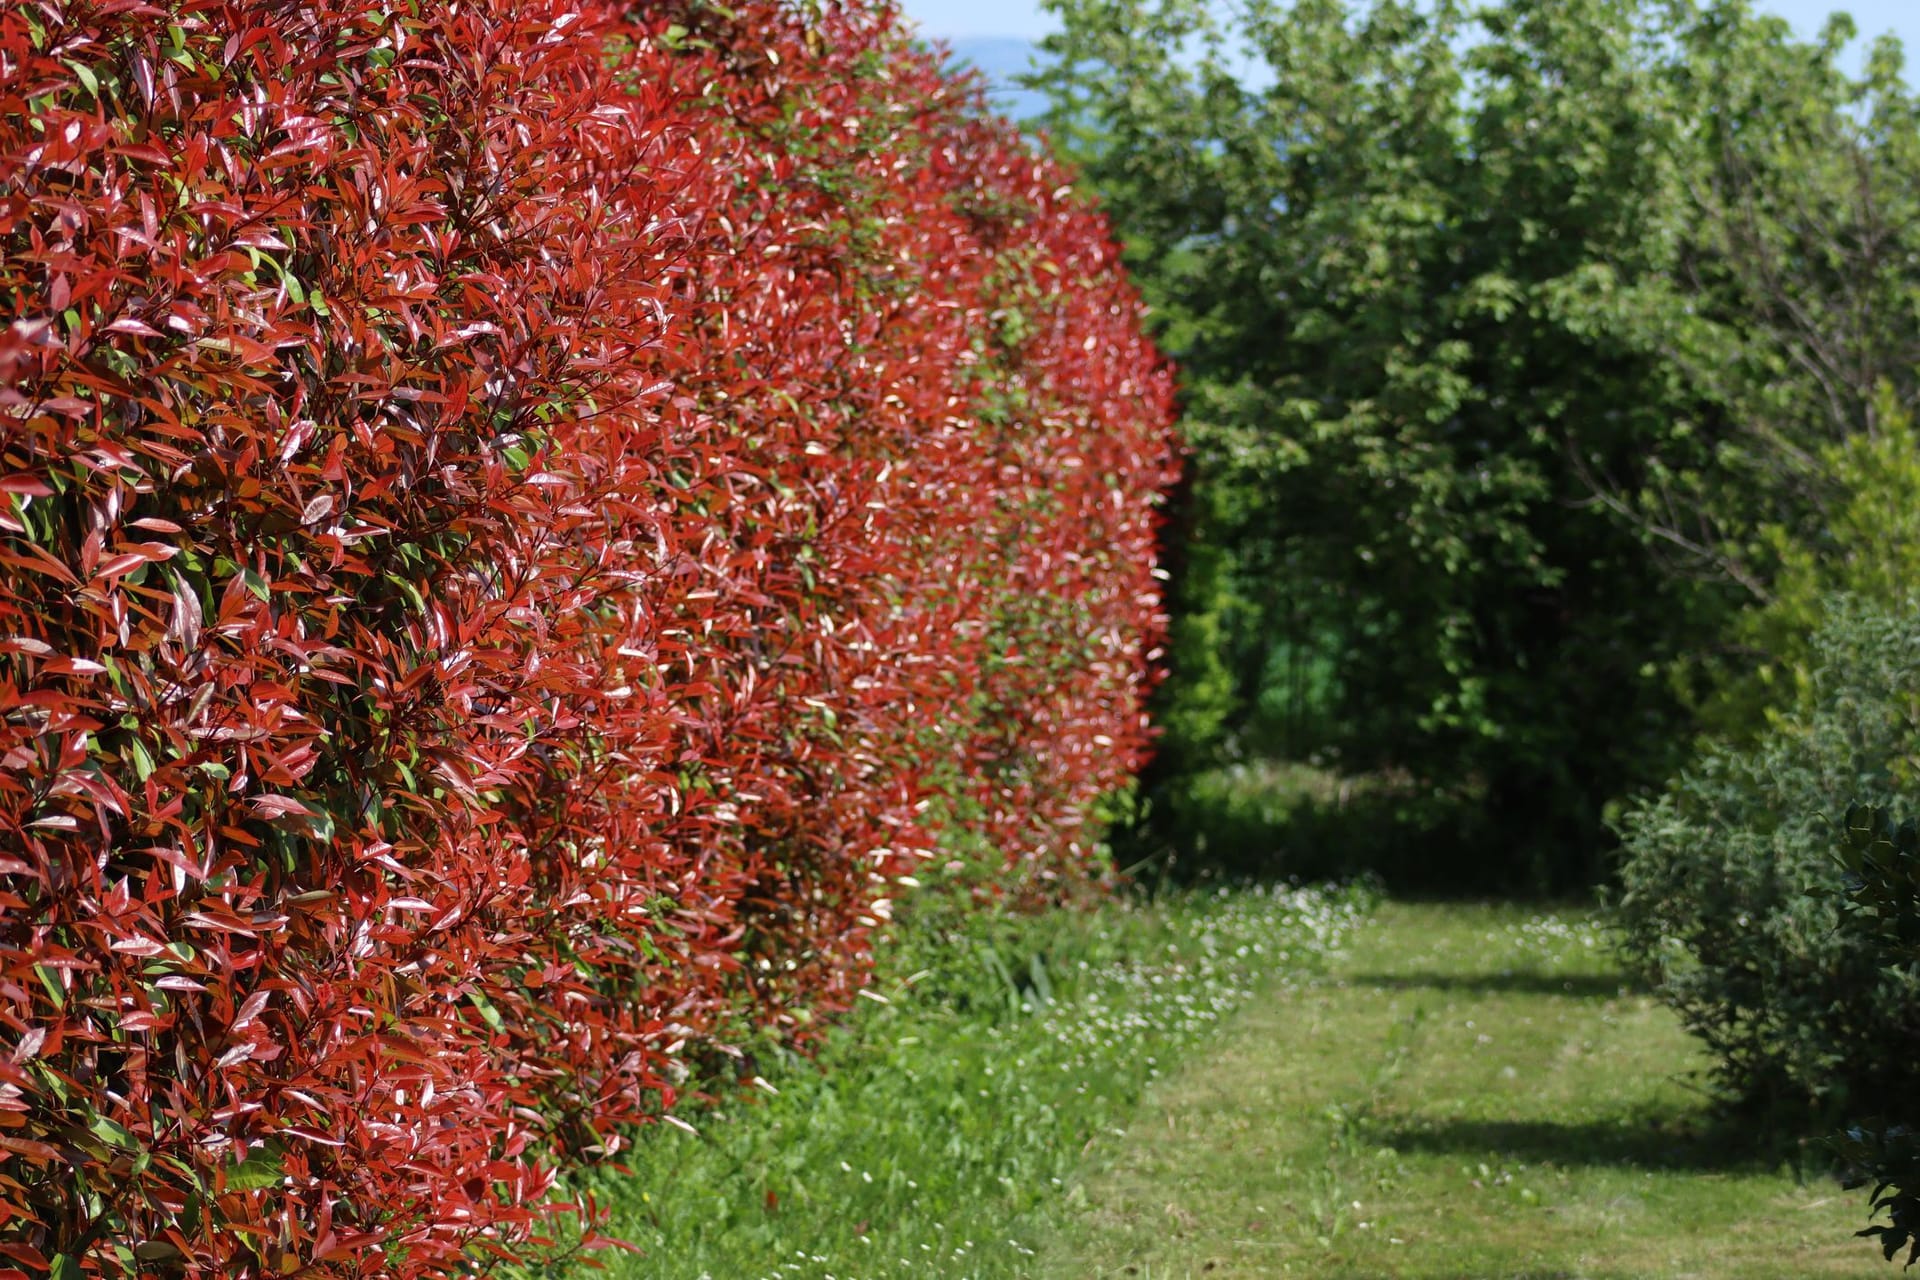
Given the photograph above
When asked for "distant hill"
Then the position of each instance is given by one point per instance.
(1002, 58)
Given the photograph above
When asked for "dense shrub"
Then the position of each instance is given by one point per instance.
(1727, 901)
(1881, 1143)
(518, 523)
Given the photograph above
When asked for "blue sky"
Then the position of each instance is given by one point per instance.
(1023, 17)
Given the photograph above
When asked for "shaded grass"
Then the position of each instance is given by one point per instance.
(940, 1130)
(1578, 985)
(1264, 818)
(1472, 1092)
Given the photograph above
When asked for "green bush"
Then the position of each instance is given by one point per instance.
(1882, 863)
(1514, 338)
(1726, 898)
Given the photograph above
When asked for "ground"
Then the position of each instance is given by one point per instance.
(1469, 1093)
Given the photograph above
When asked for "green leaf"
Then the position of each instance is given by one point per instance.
(411, 591)
(116, 1134)
(261, 1168)
(87, 79)
(52, 984)
(487, 1011)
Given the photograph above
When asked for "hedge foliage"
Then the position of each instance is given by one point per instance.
(520, 521)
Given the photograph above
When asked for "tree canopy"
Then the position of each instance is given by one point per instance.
(1512, 336)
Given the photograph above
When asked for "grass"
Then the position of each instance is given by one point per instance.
(1212, 1086)
(1262, 817)
(940, 1134)
(1468, 1094)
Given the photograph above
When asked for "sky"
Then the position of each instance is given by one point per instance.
(949, 18)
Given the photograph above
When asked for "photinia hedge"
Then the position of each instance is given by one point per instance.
(520, 522)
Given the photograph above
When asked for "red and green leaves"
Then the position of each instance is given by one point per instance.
(518, 525)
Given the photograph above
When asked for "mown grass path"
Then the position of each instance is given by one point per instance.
(1470, 1093)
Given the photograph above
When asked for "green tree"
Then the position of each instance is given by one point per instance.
(1505, 335)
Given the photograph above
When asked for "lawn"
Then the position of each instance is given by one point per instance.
(1468, 1093)
(1263, 1083)
(940, 1132)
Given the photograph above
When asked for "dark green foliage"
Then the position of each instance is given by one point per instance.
(1882, 862)
(1726, 902)
(1266, 818)
(1506, 336)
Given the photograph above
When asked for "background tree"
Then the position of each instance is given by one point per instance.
(1508, 334)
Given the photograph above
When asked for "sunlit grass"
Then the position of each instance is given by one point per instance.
(940, 1131)
(1470, 1094)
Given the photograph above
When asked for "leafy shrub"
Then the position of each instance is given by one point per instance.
(1725, 892)
(519, 523)
(1882, 861)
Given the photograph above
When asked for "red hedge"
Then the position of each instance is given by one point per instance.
(518, 523)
